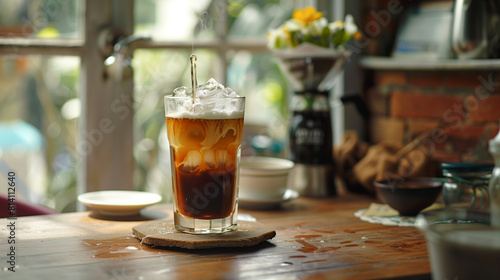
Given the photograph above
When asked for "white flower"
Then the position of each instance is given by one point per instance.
(350, 26)
(293, 25)
(336, 26)
(317, 26)
(273, 36)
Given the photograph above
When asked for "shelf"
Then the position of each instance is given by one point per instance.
(387, 63)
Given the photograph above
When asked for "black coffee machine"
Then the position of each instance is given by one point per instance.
(312, 76)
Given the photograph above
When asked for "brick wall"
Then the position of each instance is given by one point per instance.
(405, 104)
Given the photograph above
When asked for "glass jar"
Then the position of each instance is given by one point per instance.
(495, 182)
(467, 185)
(495, 193)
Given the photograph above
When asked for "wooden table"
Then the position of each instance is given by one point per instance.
(316, 239)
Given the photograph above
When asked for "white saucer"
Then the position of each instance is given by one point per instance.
(118, 203)
(267, 203)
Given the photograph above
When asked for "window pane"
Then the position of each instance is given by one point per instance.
(185, 19)
(39, 108)
(41, 19)
(156, 74)
(257, 77)
(254, 18)
(174, 20)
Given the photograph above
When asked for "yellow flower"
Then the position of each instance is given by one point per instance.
(358, 36)
(307, 15)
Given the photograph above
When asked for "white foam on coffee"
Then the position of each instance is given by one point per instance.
(206, 103)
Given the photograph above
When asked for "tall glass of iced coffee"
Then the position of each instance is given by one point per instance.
(204, 132)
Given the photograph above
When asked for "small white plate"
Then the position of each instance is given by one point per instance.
(118, 203)
(268, 204)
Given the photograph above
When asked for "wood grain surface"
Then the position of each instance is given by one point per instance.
(315, 239)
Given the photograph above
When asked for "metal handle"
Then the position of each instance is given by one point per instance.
(118, 61)
(124, 43)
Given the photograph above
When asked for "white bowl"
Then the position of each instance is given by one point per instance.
(263, 178)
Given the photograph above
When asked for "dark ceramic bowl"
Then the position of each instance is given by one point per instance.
(409, 196)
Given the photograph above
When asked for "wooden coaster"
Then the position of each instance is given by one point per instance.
(164, 234)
